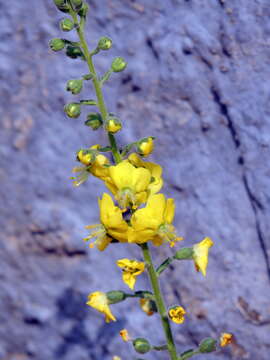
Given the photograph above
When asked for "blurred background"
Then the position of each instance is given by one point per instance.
(197, 79)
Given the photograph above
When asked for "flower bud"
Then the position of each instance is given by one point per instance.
(113, 124)
(77, 4)
(73, 110)
(94, 120)
(86, 156)
(207, 345)
(141, 345)
(74, 52)
(62, 5)
(145, 146)
(66, 24)
(115, 296)
(118, 64)
(104, 43)
(89, 76)
(84, 10)
(184, 254)
(57, 44)
(75, 86)
(148, 306)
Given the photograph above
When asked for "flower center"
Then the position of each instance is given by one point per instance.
(167, 233)
(126, 198)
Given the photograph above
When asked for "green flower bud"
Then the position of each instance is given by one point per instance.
(207, 345)
(184, 254)
(66, 24)
(84, 10)
(62, 5)
(57, 44)
(94, 120)
(89, 76)
(77, 4)
(113, 124)
(141, 345)
(75, 86)
(118, 64)
(104, 43)
(115, 296)
(74, 52)
(73, 110)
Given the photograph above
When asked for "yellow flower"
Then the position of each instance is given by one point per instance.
(155, 170)
(86, 157)
(124, 335)
(99, 167)
(200, 254)
(113, 125)
(116, 358)
(176, 314)
(226, 339)
(112, 226)
(154, 222)
(128, 184)
(146, 146)
(131, 269)
(98, 300)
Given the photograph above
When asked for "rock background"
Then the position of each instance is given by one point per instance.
(198, 80)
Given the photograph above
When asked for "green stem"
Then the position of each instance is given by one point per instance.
(159, 301)
(96, 83)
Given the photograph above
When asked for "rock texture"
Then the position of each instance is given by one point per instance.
(197, 79)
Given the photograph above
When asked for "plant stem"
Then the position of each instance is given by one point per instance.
(96, 83)
(159, 301)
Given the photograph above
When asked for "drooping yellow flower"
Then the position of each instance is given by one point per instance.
(131, 269)
(155, 170)
(176, 314)
(226, 339)
(124, 335)
(128, 184)
(98, 300)
(112, 225)
(145, 146)
(154, 222)
(200, 254)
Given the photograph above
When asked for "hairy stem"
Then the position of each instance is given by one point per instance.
(96, 83)
(159, 301)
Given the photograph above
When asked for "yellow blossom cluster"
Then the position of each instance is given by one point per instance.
(141, 215)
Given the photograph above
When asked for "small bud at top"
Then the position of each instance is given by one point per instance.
(184, 254)
(141, 345)
(118, 64)
(113, 124)
(115, 296)
(77, 4)
(66, 24)
(75, 86)
(207, 345)
(62, 5)
(57, 44)
(94, 120)
(145, 146)
(104, 43)
(73, 110)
